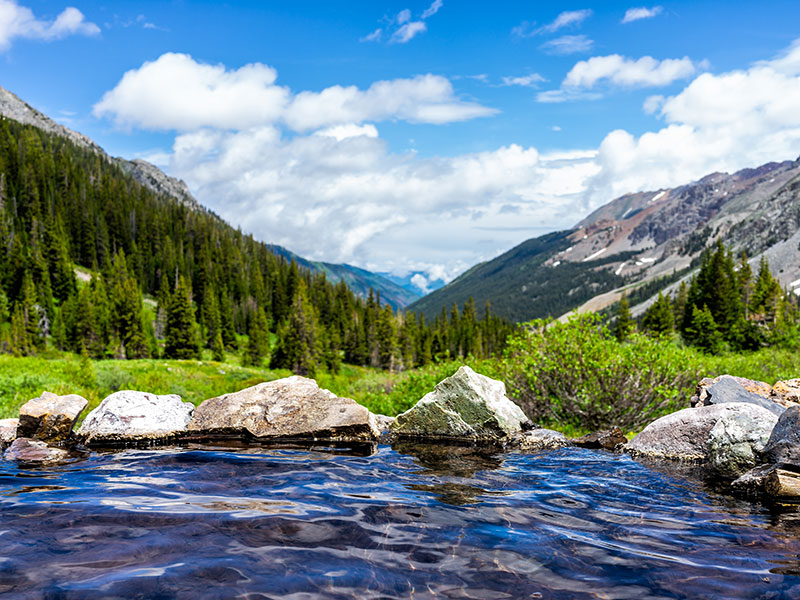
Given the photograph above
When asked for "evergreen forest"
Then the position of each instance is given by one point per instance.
(92, 262)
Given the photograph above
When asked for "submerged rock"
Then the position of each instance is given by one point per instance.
(8, 431)
(28, 450)
(783, 445)
(290, 408)
(540, 439)
(727, 389)
(50, 417)
(683, 435)
(129, 416)
(771, 480)
(736, 441)
(465, 405)
(610, 439)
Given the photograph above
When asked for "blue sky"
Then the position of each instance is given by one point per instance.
(414, 136)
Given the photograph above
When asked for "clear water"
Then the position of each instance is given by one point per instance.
(403, 522)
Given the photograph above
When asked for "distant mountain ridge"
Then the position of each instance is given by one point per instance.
(639, 238)
(147, 174)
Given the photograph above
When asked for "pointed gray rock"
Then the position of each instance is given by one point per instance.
(290, 408)
(465, 405)
(737, 440)
(50, 417)
(129, 416)
(728, 388)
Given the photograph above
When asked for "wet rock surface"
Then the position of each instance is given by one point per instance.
(736, 441)
(466, 405)
(683, 435)
(610, 439)
(50, 417)
(728, 388)
(540, 439)
(769, 480)
(293, 407)
(129, 416)
(28, 450)
(783, 445)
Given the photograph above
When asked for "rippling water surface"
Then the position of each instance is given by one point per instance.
(402, 522)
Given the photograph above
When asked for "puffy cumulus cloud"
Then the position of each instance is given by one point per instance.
(721, 122)
(641, 12)
(421, 99)
(175, 92)
(619, 70)
(19, 22)
(343, 197)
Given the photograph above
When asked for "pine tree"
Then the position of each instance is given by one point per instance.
(181, 329)
(218, 348)
(658, 318)
(257, 346)
(703, 331)
(299, 347)
(623, 325)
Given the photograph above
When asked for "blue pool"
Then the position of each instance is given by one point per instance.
(408, 521)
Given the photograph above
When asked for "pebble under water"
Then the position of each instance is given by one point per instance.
(408, 521)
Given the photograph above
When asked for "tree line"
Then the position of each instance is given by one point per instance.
(159, 278)
(723, 307)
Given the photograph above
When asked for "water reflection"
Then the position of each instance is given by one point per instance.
(411, 521)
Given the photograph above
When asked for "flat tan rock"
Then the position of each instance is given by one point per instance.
(290, 408)
(50, 417)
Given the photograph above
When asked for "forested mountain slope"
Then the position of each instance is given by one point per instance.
(150, 176)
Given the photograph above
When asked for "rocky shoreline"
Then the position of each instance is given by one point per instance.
(743, 432)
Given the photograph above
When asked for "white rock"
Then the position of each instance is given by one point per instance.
(130, 416)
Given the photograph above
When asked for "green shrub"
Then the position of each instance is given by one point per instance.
(577, 375)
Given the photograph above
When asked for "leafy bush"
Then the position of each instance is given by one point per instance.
(576, 374)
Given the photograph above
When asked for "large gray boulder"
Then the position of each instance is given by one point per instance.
(783, 445)
(736, 441)
(129, 416)
(684, 435)
(465, 405)
(28, 450)
(290, 408)
(728, 388)
(50, 417)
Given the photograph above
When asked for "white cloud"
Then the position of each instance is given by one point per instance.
(175, 92)
(642, 12)
(341, 195)
(407, 32)
(619, 70)
(722, 122)
(568, 18)
(342, 132)
(406, 29)
(524, 81)
(19, 22)
(375, 36)
(432, 9)
(568, 44)
(420, 282)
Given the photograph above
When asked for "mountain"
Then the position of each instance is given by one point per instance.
(153, 178)
(359, 280)
(643, 241)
